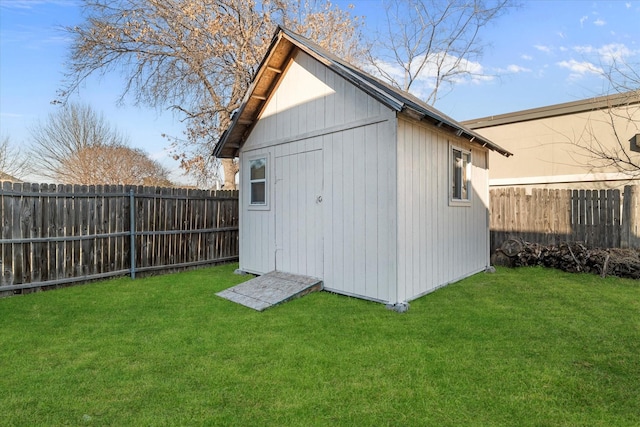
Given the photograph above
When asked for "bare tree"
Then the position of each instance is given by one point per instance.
(195, 57)
(436, 40)
(622, 75)
(113, 164)
(76, 145)
(610, 138)
(14, 166)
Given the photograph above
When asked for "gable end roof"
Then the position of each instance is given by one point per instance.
(282, 47)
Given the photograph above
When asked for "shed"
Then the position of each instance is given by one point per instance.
(347, 179)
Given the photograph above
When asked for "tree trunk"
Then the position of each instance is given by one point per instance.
(230, 167)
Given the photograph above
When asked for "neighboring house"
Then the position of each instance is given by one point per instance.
(571, 145)
(346, 179)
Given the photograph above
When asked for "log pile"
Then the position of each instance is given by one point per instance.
(572, 257)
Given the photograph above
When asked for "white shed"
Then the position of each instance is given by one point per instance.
(351, 181)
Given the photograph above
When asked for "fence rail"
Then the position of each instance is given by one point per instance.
(598, 218)
(56, 234)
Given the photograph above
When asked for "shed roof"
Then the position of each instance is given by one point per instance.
(282, 47)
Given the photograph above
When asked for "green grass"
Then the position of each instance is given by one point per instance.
(519, 347)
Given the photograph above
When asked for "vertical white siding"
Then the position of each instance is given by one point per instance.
(437, 243)
(310, 98)
(299, 234)
(256, 235)
(313, 108)
(360, 211)
(388, 232)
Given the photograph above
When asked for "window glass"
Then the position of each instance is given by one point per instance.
(258, 169)
(460, 174)
(258, 181)
(258, 193)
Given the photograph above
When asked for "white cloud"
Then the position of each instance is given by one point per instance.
(469, 72)
(517, 69)
(596, 59)
(11, 115)
(32, 37)
(583, 20)
(599, 22)
(542, 48)
(607, 53)
(527, 57)
(615, 51)
(580, 69)
(584, 49)
(541, 72)
(628, 5)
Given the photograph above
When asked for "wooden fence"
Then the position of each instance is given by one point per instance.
(598, 218)
(60, 234)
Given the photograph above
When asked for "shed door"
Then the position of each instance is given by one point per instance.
(298, 213)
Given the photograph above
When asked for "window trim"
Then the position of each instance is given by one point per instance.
(452, 171)
(266, 180)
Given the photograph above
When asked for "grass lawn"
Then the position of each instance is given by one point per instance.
(519, 347)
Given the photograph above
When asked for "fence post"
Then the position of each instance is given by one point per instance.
(132, 227)
(630, 238)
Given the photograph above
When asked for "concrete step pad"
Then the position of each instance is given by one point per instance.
(271, 289)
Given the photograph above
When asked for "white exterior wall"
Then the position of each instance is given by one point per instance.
(315, 109)
(437, 243)
(360, 211)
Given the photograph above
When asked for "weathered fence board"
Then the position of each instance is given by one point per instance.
(598, 218)
(55, 234)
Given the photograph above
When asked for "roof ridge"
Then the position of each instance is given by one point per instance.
(392, 97)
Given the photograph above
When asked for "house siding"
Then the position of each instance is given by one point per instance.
(551, 151)
(437, 243)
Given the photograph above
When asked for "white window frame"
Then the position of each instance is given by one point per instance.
(456, 201)
(265, 180)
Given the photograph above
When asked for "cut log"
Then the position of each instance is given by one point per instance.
(572, 257)
(511, 247)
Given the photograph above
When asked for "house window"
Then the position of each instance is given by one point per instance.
(258, 181)
(460, 175)
(635, 143)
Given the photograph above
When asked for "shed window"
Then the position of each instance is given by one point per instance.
(460, 175)
(258, 180)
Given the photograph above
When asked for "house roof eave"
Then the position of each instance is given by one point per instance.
(556, 110)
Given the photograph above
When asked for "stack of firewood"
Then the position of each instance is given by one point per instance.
(571, 256)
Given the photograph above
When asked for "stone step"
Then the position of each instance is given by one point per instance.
(271, 289)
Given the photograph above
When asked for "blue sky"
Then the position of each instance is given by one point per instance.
(545, 52)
